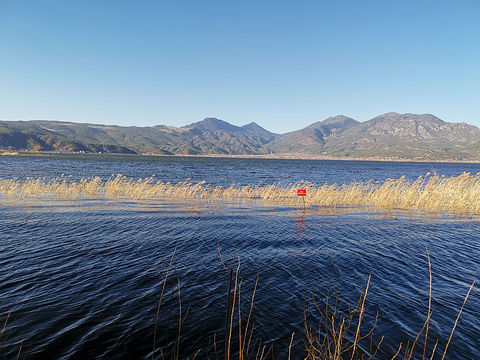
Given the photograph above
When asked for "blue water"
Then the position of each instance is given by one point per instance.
(82, 279)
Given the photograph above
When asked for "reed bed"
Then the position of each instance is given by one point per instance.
(431, 192)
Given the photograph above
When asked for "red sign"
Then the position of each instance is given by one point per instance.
(301, 192)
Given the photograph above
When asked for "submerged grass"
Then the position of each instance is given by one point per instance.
(432, 192)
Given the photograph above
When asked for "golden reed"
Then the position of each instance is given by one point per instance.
(431, 192)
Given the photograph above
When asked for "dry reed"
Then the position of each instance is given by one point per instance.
(4, 335)
(248, 347)
(338, 335)
(329, 340)
(432, 193)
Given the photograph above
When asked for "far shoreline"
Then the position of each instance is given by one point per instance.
(245, 156)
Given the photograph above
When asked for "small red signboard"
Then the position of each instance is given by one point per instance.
(301, 192)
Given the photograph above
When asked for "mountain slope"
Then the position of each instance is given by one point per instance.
(405, 136)
(36, 138)
(213, 136)
(387, 136)
(312, 139)
(210, 136)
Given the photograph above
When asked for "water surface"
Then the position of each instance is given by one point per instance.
(82, 279)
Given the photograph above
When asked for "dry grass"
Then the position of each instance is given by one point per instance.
(239, 339)
(329, 339)
(247, 346)
(429, 193)
(338, 335)
(4, 335)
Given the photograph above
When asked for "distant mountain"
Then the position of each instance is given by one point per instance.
(255, 128)
(311, 140)
(213, 124)
(388, 136)
(208, 137)
(406, 136)
(31, 136)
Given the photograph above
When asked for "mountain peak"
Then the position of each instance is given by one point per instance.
(254, 127)
(408, 116)
(339, 121)
(213, 124)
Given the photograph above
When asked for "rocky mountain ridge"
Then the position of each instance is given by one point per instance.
(387, 136)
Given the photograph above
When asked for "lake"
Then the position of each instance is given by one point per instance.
(83, 278)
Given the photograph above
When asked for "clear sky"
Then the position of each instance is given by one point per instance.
(281, 64)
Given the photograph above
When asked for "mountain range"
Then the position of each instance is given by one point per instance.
(387, 136)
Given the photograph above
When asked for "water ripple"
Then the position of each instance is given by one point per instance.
(85, 282)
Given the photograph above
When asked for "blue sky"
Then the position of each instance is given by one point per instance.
(281, 64)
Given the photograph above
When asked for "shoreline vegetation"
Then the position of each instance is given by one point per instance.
(431, 193)
(279, 156)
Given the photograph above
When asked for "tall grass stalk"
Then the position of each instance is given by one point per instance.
(162, 292)
(4, 336)
(329, 341)
(2, 332)
(456, 320)
(247, 347)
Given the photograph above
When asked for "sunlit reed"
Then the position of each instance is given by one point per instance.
(431, 192)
